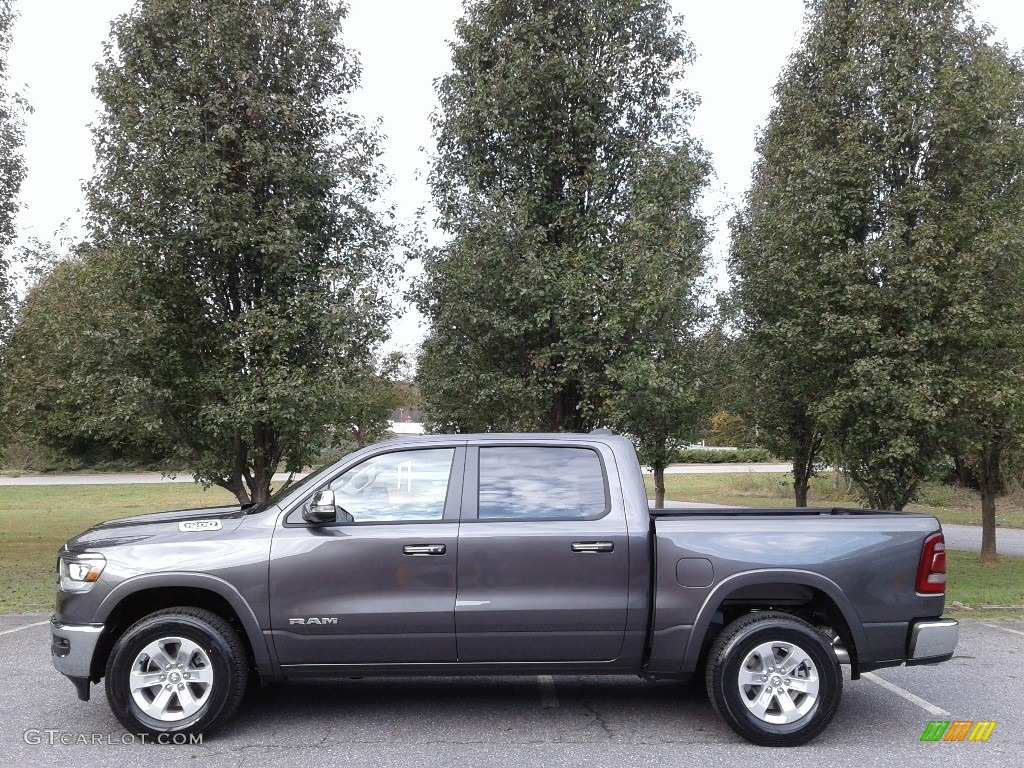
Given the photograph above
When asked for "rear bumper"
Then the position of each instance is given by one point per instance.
(932, 641)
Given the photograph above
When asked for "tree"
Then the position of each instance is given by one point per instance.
(785, 373)
(984, 229)
(659, 401)
(567, 183)
(239, 194)
(844, 267)
(12, 173)
(376, 395)
(76, 354)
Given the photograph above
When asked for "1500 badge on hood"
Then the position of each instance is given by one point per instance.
(194, 526)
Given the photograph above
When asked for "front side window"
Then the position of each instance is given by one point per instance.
(535, 483)
(393, 487)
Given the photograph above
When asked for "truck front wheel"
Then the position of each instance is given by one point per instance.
(774, 679)
(179, 670)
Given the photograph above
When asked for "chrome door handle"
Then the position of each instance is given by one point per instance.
(424, 549)
(593, 546)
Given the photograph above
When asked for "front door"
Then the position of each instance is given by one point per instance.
(378, 584)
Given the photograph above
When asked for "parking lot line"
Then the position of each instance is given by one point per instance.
(548, 697)
(1005, 629)
(912, 698)
(18, 629)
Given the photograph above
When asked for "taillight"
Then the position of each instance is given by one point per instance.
(931, 573)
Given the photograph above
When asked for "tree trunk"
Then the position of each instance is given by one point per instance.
(801, 478)
(800, 485)
(905, 495)
(251, 485)
(659, 486)
(260, 491)
(556, 413)
(260, 479)
(563, 414)
(263, 466)
(884, 497)
(990, 480)
(257, 492)
(959, 472)
(988, 524)
(236, 485)
(803, 465)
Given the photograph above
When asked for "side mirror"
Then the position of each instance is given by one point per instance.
(321, 508)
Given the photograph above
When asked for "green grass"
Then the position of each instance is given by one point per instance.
(763, 489)
(36, 520)
(976, 585)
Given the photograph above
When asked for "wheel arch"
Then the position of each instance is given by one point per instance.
(136, 598)
(797, 592)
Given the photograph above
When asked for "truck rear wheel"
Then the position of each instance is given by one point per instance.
(179, 670)
(774, 679)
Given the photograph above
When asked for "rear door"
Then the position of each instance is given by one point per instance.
(543, 561)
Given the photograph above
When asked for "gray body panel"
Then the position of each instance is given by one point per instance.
(866, 563)
(510, 596)
(376, 604)
(524, 595)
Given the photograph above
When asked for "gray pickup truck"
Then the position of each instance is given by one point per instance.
(496, 554)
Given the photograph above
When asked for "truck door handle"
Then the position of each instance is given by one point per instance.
(424, 549)
(593, 546)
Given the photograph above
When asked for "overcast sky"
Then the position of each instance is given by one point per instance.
(741, 47)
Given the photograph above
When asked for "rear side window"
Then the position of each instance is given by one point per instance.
(534, 483)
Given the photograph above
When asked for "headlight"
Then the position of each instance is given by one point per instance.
(77, 573)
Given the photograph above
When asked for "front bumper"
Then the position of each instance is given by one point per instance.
(71, 649)
(932, 641)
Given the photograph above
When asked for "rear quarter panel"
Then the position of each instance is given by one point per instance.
(866, 563)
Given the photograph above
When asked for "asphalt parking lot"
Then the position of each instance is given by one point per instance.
(524, 721)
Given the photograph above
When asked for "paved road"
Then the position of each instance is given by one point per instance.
(523, 721)
(723, 469)
(1009, 541)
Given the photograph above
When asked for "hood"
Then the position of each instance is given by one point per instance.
(208, 521)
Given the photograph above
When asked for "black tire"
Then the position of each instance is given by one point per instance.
(753, 710)
(195, 697)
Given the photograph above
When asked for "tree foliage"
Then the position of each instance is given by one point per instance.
(236, 195)
(983, 388)
(567, 183)
(659, 400)
(852, 253)
(77, 356)
(12, 173)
